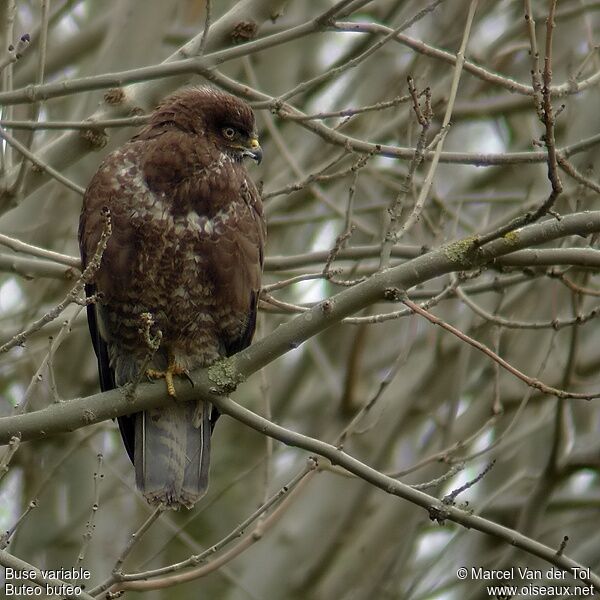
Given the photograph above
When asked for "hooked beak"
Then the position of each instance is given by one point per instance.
(254, 151)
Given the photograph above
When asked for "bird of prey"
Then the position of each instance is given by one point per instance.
(178, 282)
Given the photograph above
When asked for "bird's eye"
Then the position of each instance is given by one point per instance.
(229, 132)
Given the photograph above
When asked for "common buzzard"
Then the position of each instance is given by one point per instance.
(178, 283)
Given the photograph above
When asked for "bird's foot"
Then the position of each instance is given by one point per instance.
(172, 369)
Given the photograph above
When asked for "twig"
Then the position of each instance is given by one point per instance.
(320, 176)
(555, 324)
(35, 109)
(292, 280)
(73, 295)
(11, 141)
(548, 113)
(454, 469)
(393, 230)
(367, 406)
(85, 124)
(268, 462)
(7, 535)
(13, 446)
(445, 455)
(135, 538)
(573, 286)
(563, 546)
(207, 21)
(343, 6)
(350, 112)
(45, 364)
(536, 74)
(340, 241)
(530, 381)
(449, 498)
(547, 117)
(131, 581)
(14, 53)
(504, 437)
(568, 168)
(291, 160)
(19, 246)
(50, 370)
(91, 524)
(458, 69)
(287, 306)
(30, 268)
(283, 263)
(43, 42)
(316, 176)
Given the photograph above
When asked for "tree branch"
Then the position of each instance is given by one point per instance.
(224, 376)
(212, 383)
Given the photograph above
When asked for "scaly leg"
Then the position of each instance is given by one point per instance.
(172, 369)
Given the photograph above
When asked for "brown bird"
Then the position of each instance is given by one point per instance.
(179, 278)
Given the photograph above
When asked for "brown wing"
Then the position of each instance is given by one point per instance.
(108, 188)
(238, 258)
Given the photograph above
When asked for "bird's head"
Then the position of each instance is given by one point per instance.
(222, 119)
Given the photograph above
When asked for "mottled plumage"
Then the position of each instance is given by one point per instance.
(187, 248)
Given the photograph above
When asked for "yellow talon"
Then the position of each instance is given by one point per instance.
(172, 369)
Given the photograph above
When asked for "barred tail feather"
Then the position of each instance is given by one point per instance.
(172, 453)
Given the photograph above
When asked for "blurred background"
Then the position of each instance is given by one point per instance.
(440, 411)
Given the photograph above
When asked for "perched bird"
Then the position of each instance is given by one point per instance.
(178, 282)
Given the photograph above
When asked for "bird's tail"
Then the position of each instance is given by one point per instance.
(172, 453)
